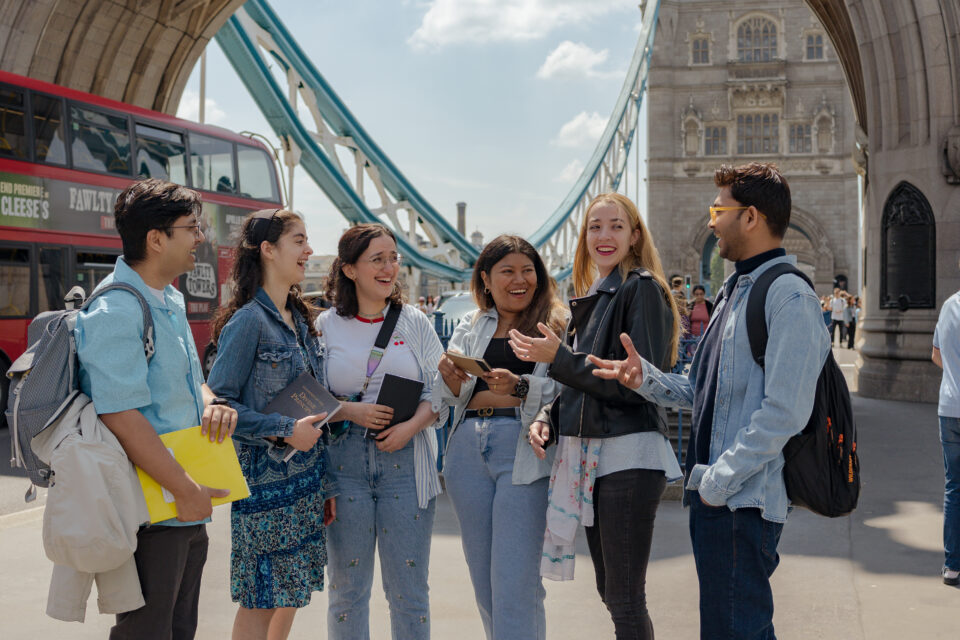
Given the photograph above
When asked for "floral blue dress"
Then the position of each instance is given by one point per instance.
(278, 541)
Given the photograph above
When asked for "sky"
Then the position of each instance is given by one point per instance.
(496, 103)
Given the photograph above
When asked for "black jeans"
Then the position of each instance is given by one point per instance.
(170, 562)
(624, 507)
(833, 331)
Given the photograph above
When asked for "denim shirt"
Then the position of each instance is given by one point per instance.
(471, 338)
(114, 371)
(257, 356)
(757, 409)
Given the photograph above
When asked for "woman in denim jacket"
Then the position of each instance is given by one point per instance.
(497, 485)
(265, 339)
(386, 486)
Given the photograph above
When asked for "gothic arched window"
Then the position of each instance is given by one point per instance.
(908, 259)
(756, 40)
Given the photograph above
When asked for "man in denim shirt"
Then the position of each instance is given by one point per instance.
(158, 223)
(742, 414)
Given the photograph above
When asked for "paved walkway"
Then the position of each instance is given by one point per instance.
(871, 576)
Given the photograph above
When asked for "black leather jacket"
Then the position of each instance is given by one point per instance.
(588, 406)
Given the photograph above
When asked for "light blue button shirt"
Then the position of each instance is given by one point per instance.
(946, 338)
(113, 369)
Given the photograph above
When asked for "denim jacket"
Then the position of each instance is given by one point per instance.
(471, 338)
(757, 409)
(257, 356)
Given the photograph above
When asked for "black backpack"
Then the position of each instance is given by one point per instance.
(821, 469)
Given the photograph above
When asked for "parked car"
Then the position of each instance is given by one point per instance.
(455, 305)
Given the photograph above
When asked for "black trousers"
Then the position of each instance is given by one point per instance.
(851, 334)
(833, 331)
(624, 508)
(170, 562)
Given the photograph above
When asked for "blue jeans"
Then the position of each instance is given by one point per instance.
(950, 439)
(735, 553)
(377, 507)
(501, 527)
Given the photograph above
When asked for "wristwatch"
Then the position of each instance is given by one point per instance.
(222, 401)
(522, 388)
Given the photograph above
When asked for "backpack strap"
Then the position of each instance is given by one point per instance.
(148, 343)
(756, 307)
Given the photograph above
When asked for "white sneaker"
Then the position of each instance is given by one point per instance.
(951, 577)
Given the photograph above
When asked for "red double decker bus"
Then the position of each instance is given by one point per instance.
(64, 157)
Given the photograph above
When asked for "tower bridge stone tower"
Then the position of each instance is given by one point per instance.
(750, 81)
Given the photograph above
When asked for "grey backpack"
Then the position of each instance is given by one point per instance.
(43, 380)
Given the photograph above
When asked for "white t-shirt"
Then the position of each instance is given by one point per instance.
(349, 341)
(946, 337)
(158, 294)
(837, 305)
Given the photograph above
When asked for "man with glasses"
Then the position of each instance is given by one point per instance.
(138, 400)
(743, 413)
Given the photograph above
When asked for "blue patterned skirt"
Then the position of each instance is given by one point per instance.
(279, 546)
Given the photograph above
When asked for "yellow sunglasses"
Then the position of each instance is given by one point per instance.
(714, 211)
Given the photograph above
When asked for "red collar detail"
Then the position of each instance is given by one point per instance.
(369, 320)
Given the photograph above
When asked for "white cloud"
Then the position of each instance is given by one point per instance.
(582, 131)
(570, 172)
(574, 59)
(480, 21)
(189, 108)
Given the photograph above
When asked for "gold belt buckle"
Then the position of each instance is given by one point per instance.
(485, 412)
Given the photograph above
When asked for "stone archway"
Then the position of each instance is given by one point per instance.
(137, 51)
(902, 63)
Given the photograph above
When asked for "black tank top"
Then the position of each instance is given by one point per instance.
(499, 355)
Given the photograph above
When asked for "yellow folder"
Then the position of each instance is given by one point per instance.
(212, 464)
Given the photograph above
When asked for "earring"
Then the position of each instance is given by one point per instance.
(486, 289)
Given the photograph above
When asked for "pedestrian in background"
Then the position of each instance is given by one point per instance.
(700, 311)
(837, 306)
(386, 486)
(497, 486)
(946, 355)
(613, 458)
(265, 339)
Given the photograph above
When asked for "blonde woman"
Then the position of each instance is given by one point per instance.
(613, 459)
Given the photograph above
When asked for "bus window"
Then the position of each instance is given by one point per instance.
(101, 142)
(257, 179)
(52, 283)
(48, 129)
(92, 268)
(161, 154)
(211, 163)
(13, 139)
(14, 282)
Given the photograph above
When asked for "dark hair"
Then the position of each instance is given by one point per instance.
(341, 290)
(699, 287)
(544, 307)
(246, 276)
(150, 204)
(759, 185)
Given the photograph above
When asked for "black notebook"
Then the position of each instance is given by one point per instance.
(402, 395)
(303, 397)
